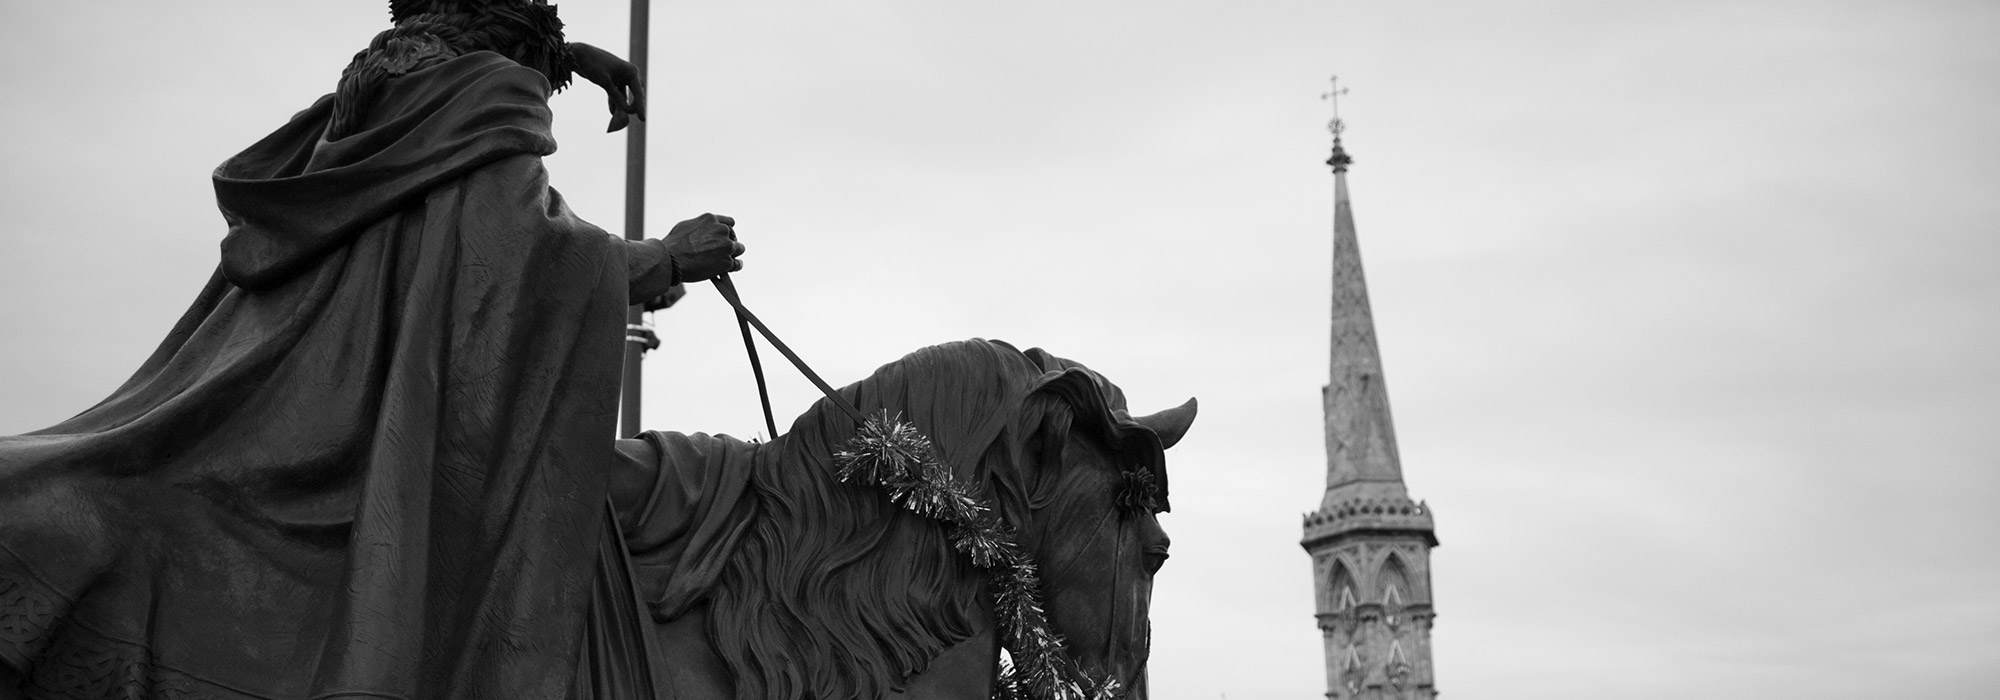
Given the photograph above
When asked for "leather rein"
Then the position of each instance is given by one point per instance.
(744, 322)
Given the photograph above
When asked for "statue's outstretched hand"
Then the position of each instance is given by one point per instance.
(621, 81)
(703, 247)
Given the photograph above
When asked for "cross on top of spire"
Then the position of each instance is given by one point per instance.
(1339, 159)
(1332, 94)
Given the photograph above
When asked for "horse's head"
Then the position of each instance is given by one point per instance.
(1090, 490)
(835, 591)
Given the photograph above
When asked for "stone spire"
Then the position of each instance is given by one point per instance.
(1361, 457)
(1369, 542)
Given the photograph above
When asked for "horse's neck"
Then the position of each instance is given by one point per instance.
(963, 671)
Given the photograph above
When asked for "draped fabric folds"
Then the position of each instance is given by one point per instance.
(689, 523)
(368, 460)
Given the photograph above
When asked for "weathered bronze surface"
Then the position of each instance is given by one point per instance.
(769, 578)
(374, 457)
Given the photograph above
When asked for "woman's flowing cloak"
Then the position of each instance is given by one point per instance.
(368, 460)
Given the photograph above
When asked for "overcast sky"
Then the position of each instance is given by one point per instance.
(1688, 309)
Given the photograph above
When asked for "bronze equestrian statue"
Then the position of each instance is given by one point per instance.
(372, 459)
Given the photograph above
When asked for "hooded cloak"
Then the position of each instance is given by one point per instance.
(369, 459)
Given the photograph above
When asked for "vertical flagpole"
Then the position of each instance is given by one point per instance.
(635, 226)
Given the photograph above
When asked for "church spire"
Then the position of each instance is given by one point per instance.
(1361, 455)
(1369, 542)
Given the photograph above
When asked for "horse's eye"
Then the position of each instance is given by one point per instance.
(1155, 558)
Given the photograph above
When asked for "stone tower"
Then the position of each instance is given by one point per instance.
(1370, 544)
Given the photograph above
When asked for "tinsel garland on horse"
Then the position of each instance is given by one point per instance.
(818, 565)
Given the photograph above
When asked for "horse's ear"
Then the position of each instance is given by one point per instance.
(1171, 424)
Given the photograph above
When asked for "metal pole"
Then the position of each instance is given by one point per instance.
(635, 224)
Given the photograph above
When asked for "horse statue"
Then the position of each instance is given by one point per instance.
(1012, 556)
(767, 572)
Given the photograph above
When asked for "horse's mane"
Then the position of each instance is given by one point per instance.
(836, 593)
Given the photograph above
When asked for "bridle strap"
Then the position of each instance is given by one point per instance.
(745, 321)
(984, 434)
(757, 370)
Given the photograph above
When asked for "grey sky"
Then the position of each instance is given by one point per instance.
(1687, 308)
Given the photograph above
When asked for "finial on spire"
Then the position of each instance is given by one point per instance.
(1339, 159)
(1332, 94)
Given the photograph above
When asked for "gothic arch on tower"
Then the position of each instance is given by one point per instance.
(1342, 589)
(1392, 582)
(1392, 590)
(1397, 670)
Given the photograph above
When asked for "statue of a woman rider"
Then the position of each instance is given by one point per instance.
(368, 461)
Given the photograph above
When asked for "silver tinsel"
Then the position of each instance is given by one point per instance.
(889, 453)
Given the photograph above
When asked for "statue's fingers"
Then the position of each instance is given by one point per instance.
(637, 105)
(736, 265)
(727, 221)
(736, 249)
(614, 100)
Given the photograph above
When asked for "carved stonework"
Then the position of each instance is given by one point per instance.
(1354, 670)
(1398, 675)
